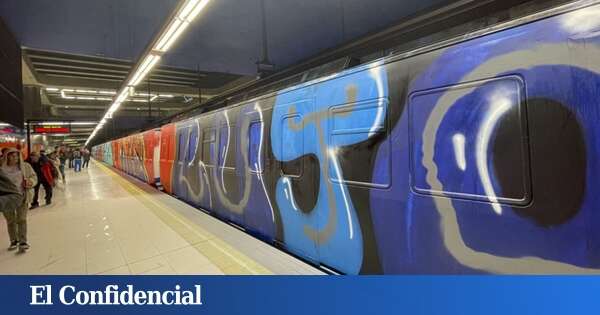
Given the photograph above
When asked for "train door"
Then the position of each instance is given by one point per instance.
(125, 153)
(190, 175)
(150, 146)
(357, 158)
(130, 156)
(117, 154)
(228, 190)
(207, 162)
(295, 142)
(156, 158)
(259, 214)
(167, 150)
(179, 188)
(140, 157)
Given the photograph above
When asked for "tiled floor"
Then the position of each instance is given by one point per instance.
(104, 222)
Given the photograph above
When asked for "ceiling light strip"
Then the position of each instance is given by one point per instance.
(185, 14)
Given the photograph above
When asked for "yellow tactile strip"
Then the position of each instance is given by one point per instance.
(225, 257)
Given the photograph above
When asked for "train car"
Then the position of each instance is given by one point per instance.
(137, 155)
(475, 155)
(103, 153)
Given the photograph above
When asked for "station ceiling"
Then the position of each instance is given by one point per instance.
(74, 47)
(227, 37)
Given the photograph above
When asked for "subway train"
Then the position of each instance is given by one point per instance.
(475, 155)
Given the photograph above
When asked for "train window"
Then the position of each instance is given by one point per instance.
(181, 146)
(208, 145)
(227, 146)
(255, 157)
(192, 146)
(292, 146)
(359, 136)
(472, 137)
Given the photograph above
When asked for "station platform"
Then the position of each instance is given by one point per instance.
(105, 222)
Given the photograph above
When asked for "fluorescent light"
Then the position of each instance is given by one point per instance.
(86, 91)
(187, 9)
(108, 92)
(173, 31)
(124, 94)
(151, 65)
(62, 93)
(197, 10)
(141, 68)
(145, 71)
(86, 98)
(52, 89)
(104, 99)
(53, 123)
(144, 94)
(113, 108)
(173, 38)
(168, 34)
(146, 62)
(83, 123)
(61, 123)
(139, 101)
(141, 72)
(67, 90)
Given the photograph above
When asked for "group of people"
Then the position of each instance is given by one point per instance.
(77, 158)
(20, 182)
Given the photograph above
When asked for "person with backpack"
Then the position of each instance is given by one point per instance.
(43, 169)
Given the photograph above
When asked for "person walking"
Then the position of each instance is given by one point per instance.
(70, 157)
(53, 158)
(62, 157)
(43, 170)
(86, 158)
(23, 178)
(77, 160)
(10, 195)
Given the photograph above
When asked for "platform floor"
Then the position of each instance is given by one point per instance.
(105, 222)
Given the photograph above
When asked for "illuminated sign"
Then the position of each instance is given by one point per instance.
(50, 129)
(7, 130)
